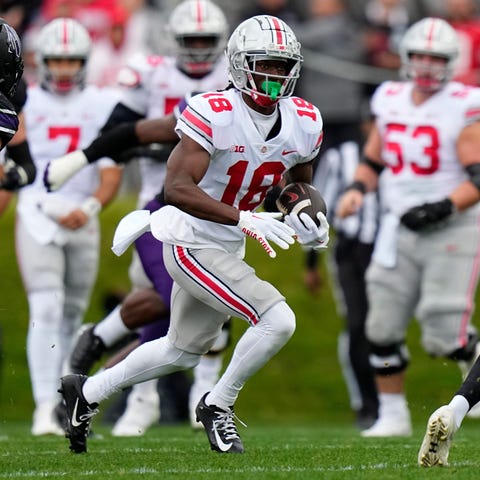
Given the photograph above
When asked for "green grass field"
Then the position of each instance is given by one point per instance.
(322, 451)
(297, 409)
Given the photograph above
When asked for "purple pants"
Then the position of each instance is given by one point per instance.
(151, 255)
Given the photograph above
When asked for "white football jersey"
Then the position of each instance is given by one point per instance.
(57, 125)
(243, 165)
(153, 86)
(419, 141)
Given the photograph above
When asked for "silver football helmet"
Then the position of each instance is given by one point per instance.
(200, 31)
(430, 36)
(63, 38)
(263, 37)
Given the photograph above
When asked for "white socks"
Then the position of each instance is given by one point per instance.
(111, 329)
(150, 360)
(205, 376)
(256, 346)
(392, 404)
(44, 344)
(460, 408)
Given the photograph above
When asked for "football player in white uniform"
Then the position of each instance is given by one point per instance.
(57, 233)
(422, 153)
(235, 145)
(152, 87)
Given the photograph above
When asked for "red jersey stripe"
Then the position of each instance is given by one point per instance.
(473, 112)
(200, 124)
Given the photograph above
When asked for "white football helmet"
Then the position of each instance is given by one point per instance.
(63, 38)
(430, 36)
(263, 37)
(196, 20)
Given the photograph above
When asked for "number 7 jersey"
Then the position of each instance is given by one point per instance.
(419, 142)
(243, 165)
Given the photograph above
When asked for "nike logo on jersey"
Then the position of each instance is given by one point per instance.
(224, 447)
(287, 152)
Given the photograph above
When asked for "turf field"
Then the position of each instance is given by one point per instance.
(297, 409)
(311, 452)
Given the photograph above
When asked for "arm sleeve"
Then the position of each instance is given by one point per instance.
(113, 143)
(21, 155)
(120, 114)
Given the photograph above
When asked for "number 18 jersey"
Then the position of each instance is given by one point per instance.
(243, 165)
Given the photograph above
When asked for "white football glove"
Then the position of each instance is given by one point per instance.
(308, 234)
(264, 226)
(59, 170)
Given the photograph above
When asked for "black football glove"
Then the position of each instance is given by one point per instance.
(427, 215)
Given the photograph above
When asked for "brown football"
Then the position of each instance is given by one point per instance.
(300, 197)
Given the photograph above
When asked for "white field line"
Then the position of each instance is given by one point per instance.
(253, 470)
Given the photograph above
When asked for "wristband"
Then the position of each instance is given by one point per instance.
(91, 207)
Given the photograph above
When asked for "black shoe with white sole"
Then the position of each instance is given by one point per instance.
(220, 427)
(79, 411)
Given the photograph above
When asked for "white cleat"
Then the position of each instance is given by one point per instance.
(438, 438)
(45, 423)
(390, 426)
(141, 413)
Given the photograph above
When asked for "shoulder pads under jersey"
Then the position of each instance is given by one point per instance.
(215, 106)
(307, 114)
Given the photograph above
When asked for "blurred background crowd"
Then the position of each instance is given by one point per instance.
(352, 44)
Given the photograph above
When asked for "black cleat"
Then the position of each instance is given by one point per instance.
(87, 350)
(220, 427)
(60, 412)
(79, 412)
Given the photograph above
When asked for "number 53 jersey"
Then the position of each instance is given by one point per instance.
(419, 142)
(243, 165)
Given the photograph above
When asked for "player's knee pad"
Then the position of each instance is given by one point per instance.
(223, 340)
(279, 320)
(46, 307)
(467, 352)
(389, 359)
